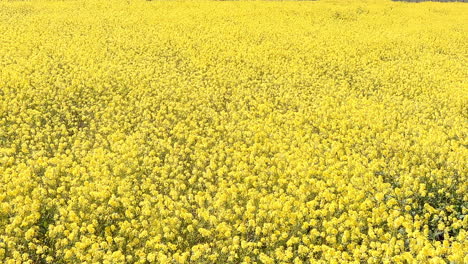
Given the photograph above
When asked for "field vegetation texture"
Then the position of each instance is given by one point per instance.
(233, 132)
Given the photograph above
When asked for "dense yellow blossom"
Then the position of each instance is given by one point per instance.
(233, 132)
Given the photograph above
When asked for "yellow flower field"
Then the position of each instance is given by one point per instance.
(233, 132)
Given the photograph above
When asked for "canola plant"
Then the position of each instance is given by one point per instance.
(233, 132)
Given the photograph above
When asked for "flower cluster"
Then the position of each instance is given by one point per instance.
(233, 132)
